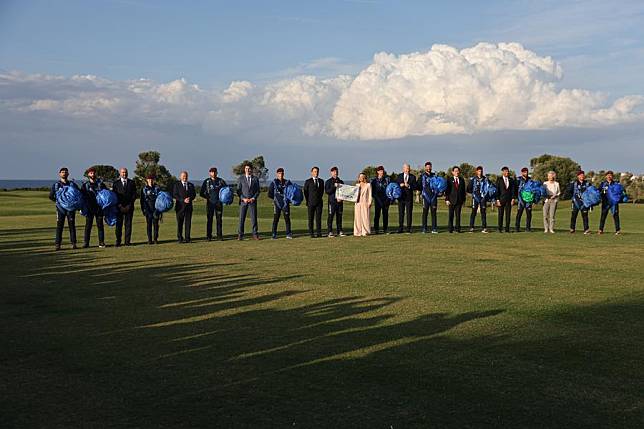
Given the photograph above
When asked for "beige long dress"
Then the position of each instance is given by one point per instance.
(361, 217)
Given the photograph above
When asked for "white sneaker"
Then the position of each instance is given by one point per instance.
(484, 231)
(341, 234)
(552, 231)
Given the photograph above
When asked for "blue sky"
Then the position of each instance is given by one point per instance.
(598, 44)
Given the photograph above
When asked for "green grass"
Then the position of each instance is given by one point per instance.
(470, 330)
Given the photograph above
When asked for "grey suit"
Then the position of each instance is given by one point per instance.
(248, 188)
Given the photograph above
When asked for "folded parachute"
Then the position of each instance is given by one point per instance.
(108, 201)
(69, 198)
(591, 197)
(532, 192)
(226, 195)
(293, 194)
(163, 202)
(393, 191)
(438, 184)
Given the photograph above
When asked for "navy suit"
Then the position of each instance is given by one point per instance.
(248, 187)
(183, 209)
(378, 188)
(406, 200)
(455, 194)
(126, 196)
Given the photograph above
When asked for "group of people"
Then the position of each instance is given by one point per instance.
(371, 191)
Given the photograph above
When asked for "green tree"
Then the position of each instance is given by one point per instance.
(634, 187)
(148, 163)
(467, 170)
(258, 166)
(370, 171)
(106, 173)
(565, 168)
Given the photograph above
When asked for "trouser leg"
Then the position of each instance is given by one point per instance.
(546, 215)
(243, 208)
(423, 218)
(376, 217)
(528, 217)
(276, 219)
(210, 212)
(89, 221)
(318, 219)
(618, 227)
(473, 214)
(434, 215)
(118, 229)
(188, 221)
(101, 229)
(409, 209)
(311, 216)
(338, 217)
(603, 216)
(520, 209)
(287, 220)
(329, 218)
(584, 218)
(573, 217)
(71, 224)
(180, 219)
(385, 217)
(127, 220)
(219, 212)
(450, 218)
(483, 216)
(253, 218)
(401, 215)
(148, 227)
(60, 224)
(457, 210)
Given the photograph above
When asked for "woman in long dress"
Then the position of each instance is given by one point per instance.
(361, 216)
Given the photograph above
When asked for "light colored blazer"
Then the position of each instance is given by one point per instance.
(246, 190)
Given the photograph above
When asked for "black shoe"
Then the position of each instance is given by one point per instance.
(57, 247)
(220, 238)
(74, 246)
(101, 245)
(150, 242)
(209, 238)
(187, 240)
(156, 241)
(180, 240)
(117, 245)
(86, 246)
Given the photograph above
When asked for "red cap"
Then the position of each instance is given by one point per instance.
(524, 169)
(580, 172)
(150, 176)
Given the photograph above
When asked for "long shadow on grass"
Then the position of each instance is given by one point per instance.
(170, 344)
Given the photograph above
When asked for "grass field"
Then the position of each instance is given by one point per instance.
(469, 330)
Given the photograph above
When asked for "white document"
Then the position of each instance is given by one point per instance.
(347, 193)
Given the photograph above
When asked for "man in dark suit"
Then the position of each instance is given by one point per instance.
(125, 190)
(407, 182)
(455, 197)
(313, 193)
(506, 189)
(183, 193)
(335, 206)
(248, 192)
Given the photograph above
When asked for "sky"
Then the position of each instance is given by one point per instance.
(348, 83)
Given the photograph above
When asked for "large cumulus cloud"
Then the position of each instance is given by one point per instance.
(442, 91)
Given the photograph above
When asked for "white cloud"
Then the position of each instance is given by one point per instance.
(442, 91)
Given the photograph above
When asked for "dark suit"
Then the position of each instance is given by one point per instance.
(313, 193)
(455, 194)
(406, 200)
(505, 195)
(248, 188)
(126, 197)
(335, 206)
(184, 210)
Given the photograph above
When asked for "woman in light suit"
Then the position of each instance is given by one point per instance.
(550, 204)
(361, 218)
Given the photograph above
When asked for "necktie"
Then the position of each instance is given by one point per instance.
(185, 186)
(316, 182)
(456, 182)
(505, 179)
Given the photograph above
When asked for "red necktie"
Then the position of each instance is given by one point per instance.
(456, 183)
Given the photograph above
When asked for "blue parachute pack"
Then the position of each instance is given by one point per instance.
(226, 195)
(532, 192)
(482, 194)
(438, 184)
(293, 194)
(108, 202)
(70, 198)
(393, 191)
(491, 192)
(591, 197)
(164, 202)
(616, 194)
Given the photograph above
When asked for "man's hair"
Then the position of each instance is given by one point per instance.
(524, 169)
(63, 169)
(456, 167)
(212, 170)
(479, 168)
(279, 170)
(428, 163)
(609, 172)
(315, 168)
(183, 172)
(248, 165)
(380, 168)
(334, 168)
(505, 168)
(89, 170)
